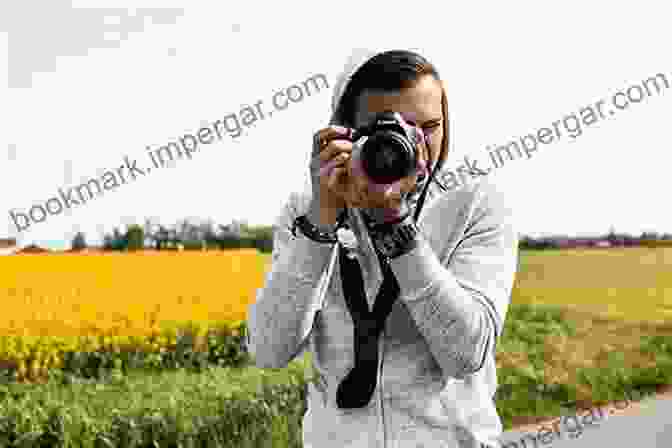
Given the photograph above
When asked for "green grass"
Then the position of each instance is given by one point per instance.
(585, 327)
(239, 407)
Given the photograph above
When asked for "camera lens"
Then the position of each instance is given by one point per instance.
(387, 157)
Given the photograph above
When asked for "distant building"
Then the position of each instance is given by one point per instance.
(33, 249)
(86, 250)
(8, 246)
(564, 243)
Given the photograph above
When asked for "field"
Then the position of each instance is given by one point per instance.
(583, 324)
(614, 332)
(62, 303)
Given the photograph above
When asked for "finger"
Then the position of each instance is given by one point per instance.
(406, 187)
(335, 147)
(336, 182)
(392, 195)
(394, 191)
(329, 165)
(423, 149)
(409, 183)
(358, 180)
(333, 131)
(362, 190)
(376, 194)
(348, 190)
(323, 136)
(353, 194)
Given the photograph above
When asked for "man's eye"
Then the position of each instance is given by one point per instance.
(431, 127)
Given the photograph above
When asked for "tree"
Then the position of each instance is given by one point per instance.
(262, 237)
(135, 236)
(116, 241)
(79, 241)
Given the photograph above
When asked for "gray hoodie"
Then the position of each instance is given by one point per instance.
(436, 372)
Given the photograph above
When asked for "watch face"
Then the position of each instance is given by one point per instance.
(407, 232)
(395, 242)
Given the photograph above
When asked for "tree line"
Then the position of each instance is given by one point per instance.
(186, 235)
(610, 239)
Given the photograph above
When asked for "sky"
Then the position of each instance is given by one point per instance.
(90, 83)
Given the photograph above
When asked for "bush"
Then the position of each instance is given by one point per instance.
(135, 236)
(193, 245)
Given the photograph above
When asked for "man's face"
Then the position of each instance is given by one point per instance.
(420, 104)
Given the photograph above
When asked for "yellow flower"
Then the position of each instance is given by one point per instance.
(102, 312)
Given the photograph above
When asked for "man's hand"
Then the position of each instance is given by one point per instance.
(386, 202)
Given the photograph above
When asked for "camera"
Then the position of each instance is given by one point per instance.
(386, 149)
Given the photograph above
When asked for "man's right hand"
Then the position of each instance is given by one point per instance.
(332, 186)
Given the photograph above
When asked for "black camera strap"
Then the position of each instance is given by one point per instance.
(423, 195)
(358, 386)
(356, 389)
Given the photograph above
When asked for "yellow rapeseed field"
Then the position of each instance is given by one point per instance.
(71, 302)
(60, 303)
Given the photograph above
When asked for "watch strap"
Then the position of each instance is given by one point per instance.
(314, 233)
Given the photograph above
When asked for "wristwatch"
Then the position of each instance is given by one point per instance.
(393, 240)
(316, 234)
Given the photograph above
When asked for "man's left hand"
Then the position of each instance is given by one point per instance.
(387, 202)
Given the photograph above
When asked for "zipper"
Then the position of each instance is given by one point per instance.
(381, 353)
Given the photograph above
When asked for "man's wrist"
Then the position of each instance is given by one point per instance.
(325, 221)
(393, 240)
(306, 224)
(375, 217)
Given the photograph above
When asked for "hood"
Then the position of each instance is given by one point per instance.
(358, 58)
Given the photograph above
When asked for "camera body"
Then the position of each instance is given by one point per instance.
(386, 149)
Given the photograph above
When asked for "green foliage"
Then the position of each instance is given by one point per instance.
(194, 245)
(225, 347)
(117, 241)
(202, 398)
(192, 237)
(217, 407)
(135, 237)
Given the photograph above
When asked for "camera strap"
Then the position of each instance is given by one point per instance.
(356, 389)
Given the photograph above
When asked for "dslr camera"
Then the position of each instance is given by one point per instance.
(386, 149)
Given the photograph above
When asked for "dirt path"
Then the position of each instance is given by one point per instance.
(533, 424)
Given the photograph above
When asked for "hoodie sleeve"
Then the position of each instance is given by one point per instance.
(460, 304)
(282, 316)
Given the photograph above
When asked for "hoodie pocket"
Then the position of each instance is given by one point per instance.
(318, 385)
(411, 431)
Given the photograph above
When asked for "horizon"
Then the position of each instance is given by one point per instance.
(98, 243)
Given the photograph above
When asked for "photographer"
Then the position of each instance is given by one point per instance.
(402, 318)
